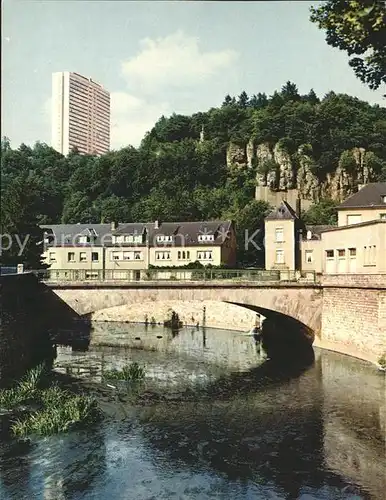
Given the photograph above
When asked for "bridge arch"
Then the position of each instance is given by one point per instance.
(132, 302)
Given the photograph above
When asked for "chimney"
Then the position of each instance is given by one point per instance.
(114, 226)
(298, 207)
(156, 224)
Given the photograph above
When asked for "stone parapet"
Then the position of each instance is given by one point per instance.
(377, 281)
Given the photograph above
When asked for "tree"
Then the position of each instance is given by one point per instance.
(258, 101)
(21, 237)
(243, 99)
(228, 100)
(322, 213)
(359, 28)
(312, 98)
(289, 92)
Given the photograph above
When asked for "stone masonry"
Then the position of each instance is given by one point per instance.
(354, 314)
(302, 302)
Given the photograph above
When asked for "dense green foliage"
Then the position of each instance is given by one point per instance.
(358, 27)
(174, 176)
(324, 212)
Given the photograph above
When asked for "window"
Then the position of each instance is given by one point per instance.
(353, 219)
(94, 256)
(309, 256)
(352, 252)
(206, 237)
(137, 255)
(205, 255)
(116, 256)
(330, 254)
(382, 216)
(52, 257)
(82, 257)
(133, 238)
(84, 239)
(183, 255)
(161, 238)
(127, 255)
(71, 257)
(118, 239)
(162, 255)
(383, 198)
(279, 257)
(279, 235)
(341, 253)
(370, 255)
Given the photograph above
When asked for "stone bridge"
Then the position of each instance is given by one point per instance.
(217, 304)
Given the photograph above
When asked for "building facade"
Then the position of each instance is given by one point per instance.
(356, 245)
(116, 249)
(80, 114)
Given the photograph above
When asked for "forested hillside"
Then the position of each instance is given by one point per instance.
(174, 175)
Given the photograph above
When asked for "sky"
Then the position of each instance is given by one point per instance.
(156, 58)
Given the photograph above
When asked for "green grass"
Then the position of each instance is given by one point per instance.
(59, 410)
(129, 372)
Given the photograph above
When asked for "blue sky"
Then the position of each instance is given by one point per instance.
(160, 57)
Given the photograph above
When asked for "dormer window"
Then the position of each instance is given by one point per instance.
(133, 238)
(309, 235)
(206, 237)
(84, 239)
(161, 238)
(383, 198)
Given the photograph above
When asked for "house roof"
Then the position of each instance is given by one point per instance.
(283, 212)
(316, 231)
(69, 234)
(185, 233)
(370, 196)
(354, 226)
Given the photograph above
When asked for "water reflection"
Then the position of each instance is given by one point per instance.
(217, 421)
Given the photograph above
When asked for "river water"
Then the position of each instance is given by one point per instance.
(213, 419)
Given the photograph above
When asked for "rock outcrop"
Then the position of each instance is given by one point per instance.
(280, 171)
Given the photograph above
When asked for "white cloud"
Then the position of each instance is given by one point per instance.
(162, 78)
(132, 117)
(174, 61)
(162, 66)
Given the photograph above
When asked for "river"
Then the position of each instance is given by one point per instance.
(215, 419)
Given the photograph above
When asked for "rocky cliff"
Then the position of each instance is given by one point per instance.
(280, 171)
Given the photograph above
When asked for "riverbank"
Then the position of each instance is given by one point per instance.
(347, 350)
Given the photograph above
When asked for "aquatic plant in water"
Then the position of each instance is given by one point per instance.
(129, 372)
(58, 409)
(26, 389)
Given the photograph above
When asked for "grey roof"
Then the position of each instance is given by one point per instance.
(187, 233)
(183, 233)
(68, 234)
(316, 230)
(370, 196)
(283, 212)
(359, 224)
